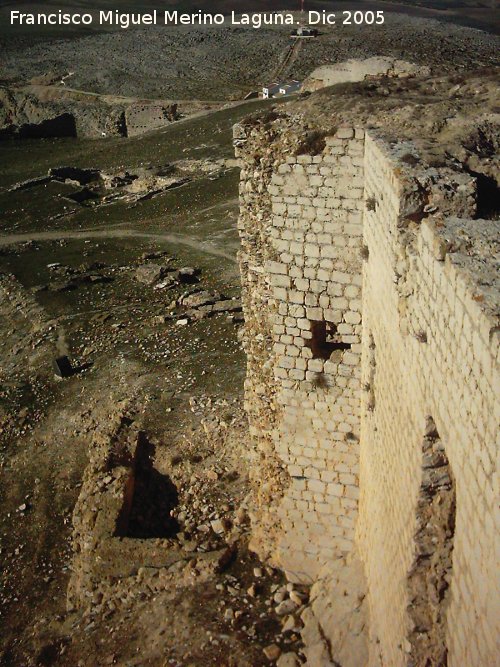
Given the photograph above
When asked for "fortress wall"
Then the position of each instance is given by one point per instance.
(141, 118)
(398, 405)
(316, 280)
(97, 121)
(252, 147)
(63, 115)
(312, 276)
(430, 349)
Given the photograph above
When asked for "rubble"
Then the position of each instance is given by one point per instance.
(272, 652)
(198, 299)
(202, 546)
(100, 188)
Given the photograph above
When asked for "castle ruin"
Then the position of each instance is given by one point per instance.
(372, 343)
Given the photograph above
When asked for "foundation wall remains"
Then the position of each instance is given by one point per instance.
(141, 118)
(389, 394)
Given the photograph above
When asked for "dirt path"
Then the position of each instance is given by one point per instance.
(289, 58)
(175, 239)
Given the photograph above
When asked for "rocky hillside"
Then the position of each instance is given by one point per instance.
(221, 63)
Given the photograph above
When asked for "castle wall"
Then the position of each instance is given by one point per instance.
(32, 114)
(141, 118)
(313, 273)
(430, 349)
(316, 284)
(389, 394)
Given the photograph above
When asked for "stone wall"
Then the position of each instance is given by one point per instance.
(312, 276)
(406, 395)
(141, 118)
(24, 114)
(316, 285)
(430, 346)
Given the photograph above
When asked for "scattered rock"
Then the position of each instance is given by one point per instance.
(151, 273)
(288, 660)
(296, 597)
(285, 607)
(279, 596)
(290, 624)
(218, 526)
(168, 281)
(272, 652)
(197, 299)
(62, 286)
(252, 590)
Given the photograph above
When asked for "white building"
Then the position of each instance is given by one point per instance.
(304, 31)
(270, 90)
(290, 87)
(280, 89)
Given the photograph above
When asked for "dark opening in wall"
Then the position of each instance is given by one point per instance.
(488, 197)
(149, 498)
(372, 367)
(313, 143)
(430, 576)
(325, 340)
(121, 125)
(60, 126)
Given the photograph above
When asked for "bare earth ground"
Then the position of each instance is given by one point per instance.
(182, 382)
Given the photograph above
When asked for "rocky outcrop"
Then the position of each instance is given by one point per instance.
(39, 111)
(24, 114)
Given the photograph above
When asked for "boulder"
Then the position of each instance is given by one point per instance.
(150, 273)
(288, 660)
(188, 274)
(198, 299)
